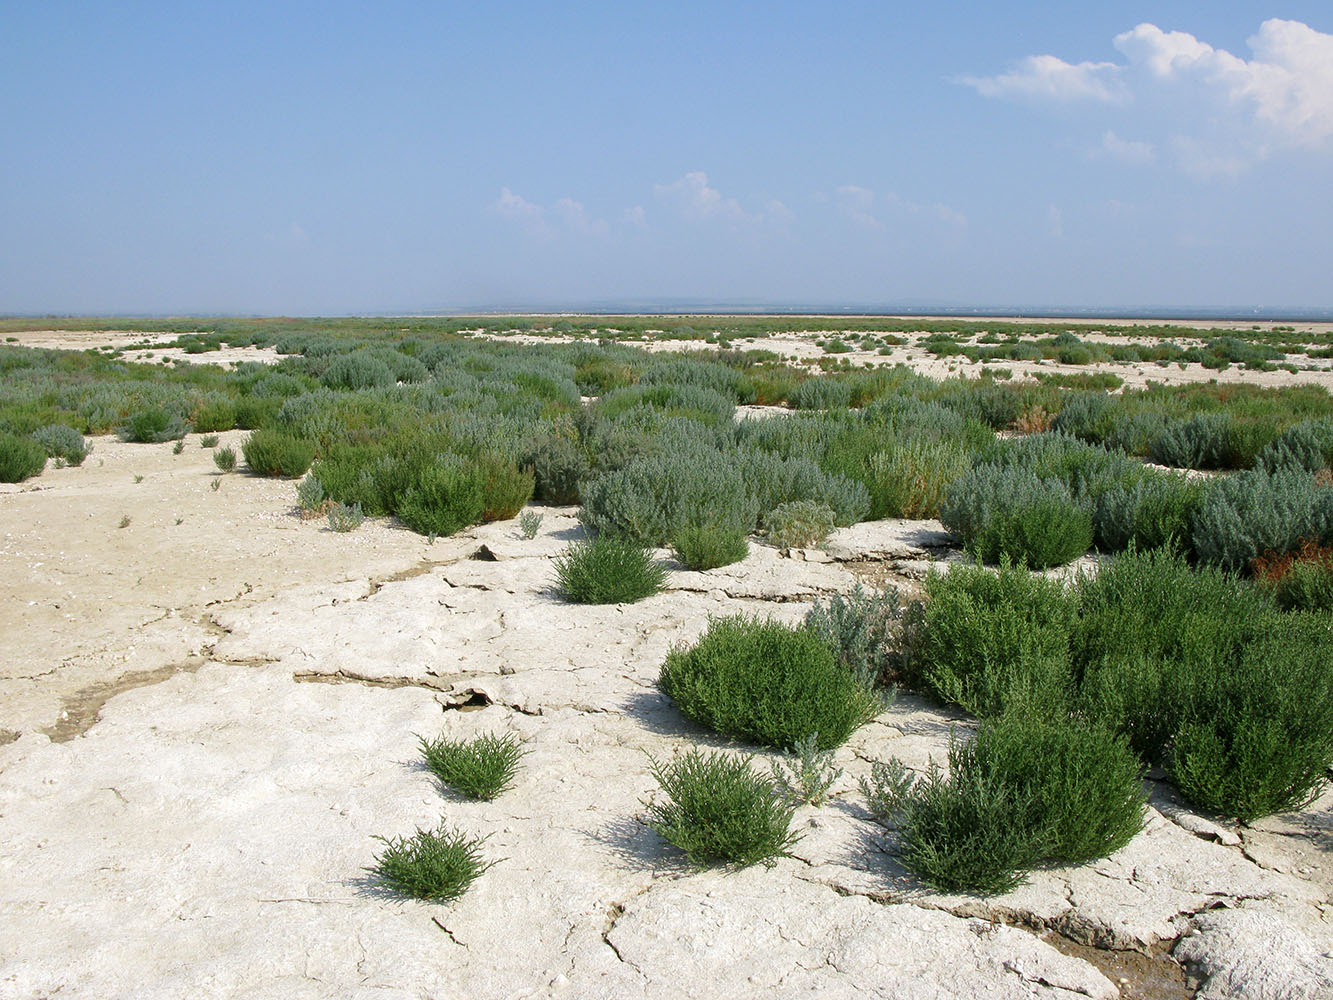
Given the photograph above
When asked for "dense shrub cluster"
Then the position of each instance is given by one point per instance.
(1196, 668)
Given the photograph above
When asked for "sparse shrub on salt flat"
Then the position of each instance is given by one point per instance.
(434, 865)
(224, 459)
(345, 517)
(718, 809)
(62, 443)
(480, 768)
(704, 546)
(608, 570)
(529, 523)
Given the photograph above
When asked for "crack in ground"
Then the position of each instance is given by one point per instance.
(438, 922)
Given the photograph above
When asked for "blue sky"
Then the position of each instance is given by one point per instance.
(324, 158)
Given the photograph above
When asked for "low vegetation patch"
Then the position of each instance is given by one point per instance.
(768, 683)
(480, 768)
(719, 810)
(608, 570)
(434, 865)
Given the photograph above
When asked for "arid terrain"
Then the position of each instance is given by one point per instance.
(209, 708)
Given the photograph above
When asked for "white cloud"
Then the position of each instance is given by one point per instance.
(698, 202)
(572, 214)
(857, 204)
(1055, 222)
(778, 213)
(1052, 78)
(565, 216)
(1283, 94)
(1124, 150)
(634, 216)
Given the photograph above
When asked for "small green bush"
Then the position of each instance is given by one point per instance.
(480, 768)
(1007, 512)
(608, 570)
(505, 488)
(559, 465)
(224, 459)
(912, 479)
(719, 809)
(767, 683)
(1254, 732)
(1200, 442)
(357, 371)
(209, 441)
(446, 496)
(799, 524)
(807, 775)
(345, 517)
(529, 523)
(62, 443)
(1307, 445)
(272, 453)
(20, 458)
(708, 546)
(310, 495)
(153, 425)
(862, 629)
(1028, 790)
(437, 865)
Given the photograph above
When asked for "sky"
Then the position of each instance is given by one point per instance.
(332, 158)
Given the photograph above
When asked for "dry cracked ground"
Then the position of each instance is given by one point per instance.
(209, 712)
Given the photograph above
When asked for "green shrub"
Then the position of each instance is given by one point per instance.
(862, 629)
(1255, 513)
(224, 459)
(273, 453)
(1254, 735)
(912, 479)
(767, 683)
(214, 413)
(718, 809)
(707, 546)
(990, 639)
(437, 865)
(559, 465)
(1088, 416)
(799, 524)
(1006, 512)
(310, 495)
(480, 768)
(445, 496)
(825, 393)
(357, 371)
(1198, 443)
(345, 517)
(20, 458)
(153, 425)
(1153, 512)
(1029, 790)
(1307, 445)
(529, 523)
(209, 441)
(608, 570)
(62, 443)
(807, 775)
(505, 488)
(653, 497)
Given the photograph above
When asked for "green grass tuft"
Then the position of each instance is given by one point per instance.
(436, 865)
(480, 768)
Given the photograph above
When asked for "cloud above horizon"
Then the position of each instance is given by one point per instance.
(1280, 97)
